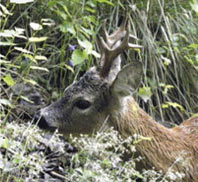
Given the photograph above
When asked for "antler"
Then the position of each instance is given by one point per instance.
(113, 45)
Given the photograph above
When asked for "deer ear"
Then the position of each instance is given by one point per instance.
(127, 80)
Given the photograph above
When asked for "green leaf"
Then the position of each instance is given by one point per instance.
(78, 56)
(160, 50)
(62, 14)
(69, 68)
(37, 39)
(68, 27)
(22, 50)
(2, 56)
(140, 138)
(88, 31)
(8, 80)
(26, 99)
(189, 60)
(5, 102)
(88, 47)
(48, 22)
(92, 10)
(194, 5)
(39, 68)
(172, 104)
(52, 3)
(166, 61)
(21, 1)
(32, 82)
(3, 61)
(67, 11)
(8, 63)
(106, 1)
(36, 26)
(30, 57)
(5, 10)
(85, 44)
(194, 46)
(18, 32)
(91, 3)
(145, 93)
(166, 87)
(195, 115)
(7, 44)
(4, 143)
(138, 174)
(7, 33)
(39, 57)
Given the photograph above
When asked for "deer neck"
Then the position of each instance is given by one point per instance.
(161, 147)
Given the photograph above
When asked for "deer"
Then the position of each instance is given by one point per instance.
(104, 96)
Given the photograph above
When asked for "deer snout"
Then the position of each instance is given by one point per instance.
(41, 120)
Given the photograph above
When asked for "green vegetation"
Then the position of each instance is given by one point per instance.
(49, 44)
(29, 154)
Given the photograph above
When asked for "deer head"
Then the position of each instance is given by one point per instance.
(100, 93)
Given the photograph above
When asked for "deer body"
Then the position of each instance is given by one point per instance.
(103, 94)
(169, 147)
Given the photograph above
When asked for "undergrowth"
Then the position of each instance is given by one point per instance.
(53, 51)
(49, 44)
(29, 154)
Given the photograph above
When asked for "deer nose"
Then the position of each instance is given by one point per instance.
(40, 121)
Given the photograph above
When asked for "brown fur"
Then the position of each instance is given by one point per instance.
(176, 147)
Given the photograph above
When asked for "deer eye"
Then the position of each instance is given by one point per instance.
(82, 104)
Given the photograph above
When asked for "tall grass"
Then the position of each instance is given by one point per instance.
(169, 58)
(169, 89)
(50, 44)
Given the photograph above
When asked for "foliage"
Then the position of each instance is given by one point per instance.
(54, 50)
(49, 44)
(27, 154)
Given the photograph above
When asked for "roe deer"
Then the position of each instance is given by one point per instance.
(103, 95)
